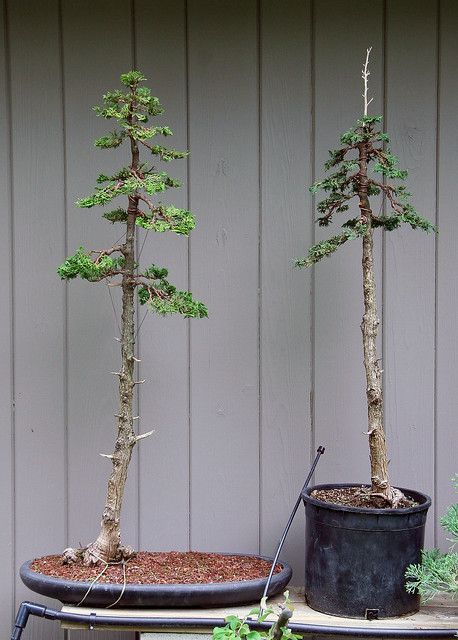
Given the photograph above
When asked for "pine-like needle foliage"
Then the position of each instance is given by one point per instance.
(438, 572)
(131, 110)
(343, 182)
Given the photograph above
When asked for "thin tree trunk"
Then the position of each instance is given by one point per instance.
(374, 392)
(369, 326)
(108, 546)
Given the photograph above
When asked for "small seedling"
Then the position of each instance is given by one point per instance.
(239, 629)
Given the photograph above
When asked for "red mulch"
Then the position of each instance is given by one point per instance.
(171, 567)
(356, 497)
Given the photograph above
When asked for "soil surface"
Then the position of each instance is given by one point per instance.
(171, 567)
(356, 497)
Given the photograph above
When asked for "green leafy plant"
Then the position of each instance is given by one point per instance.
(438, 572)
(239, 629)
(363, 167)
(139, 183)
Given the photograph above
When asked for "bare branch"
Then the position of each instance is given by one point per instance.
(106, 455)
(365, 76)
(390, 192)
(107, 252)
(147, 201)
(144, 435)
(153, 208)
(146, 144)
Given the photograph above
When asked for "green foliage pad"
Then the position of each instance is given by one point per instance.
(342, 185)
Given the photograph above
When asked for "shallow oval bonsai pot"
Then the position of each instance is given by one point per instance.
(356, 557)
(214, 594)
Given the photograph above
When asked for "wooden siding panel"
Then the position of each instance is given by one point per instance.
(38, 201)
(164, 346)
(92, 66)
(447, 265)
(285, 292)
(6, 386)
(340, 403)
(224, 185)
(92, 327)
(409, 316)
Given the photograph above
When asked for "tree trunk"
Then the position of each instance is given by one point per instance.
(108, 546)
(377, 445)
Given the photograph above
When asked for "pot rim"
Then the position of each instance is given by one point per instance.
(307, 498)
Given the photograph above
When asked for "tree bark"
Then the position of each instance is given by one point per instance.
(380, 484)
(108, 546)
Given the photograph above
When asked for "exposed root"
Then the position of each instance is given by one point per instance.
(384, 493)
(70, 555)
(92, 555)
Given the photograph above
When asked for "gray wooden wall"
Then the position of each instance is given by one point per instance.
(259, 93)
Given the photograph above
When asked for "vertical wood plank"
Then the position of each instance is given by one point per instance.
(285, 301)
(6, 386)
(340, 403)
(39, 226)
(410, 256)
(97, 49)
(92, 326)
(224, 182)
(447, 265)
(164, 348)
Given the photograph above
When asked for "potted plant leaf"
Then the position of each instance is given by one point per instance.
(84, 574)
(360, 539)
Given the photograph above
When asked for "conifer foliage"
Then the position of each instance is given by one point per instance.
(365, 142)
(363, 167)
(438, 572)
(139, 183)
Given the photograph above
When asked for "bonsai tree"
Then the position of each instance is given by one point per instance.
(138, 183)
(438, 572)
(364, 153)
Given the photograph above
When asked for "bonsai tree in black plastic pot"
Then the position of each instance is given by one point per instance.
(361, 168)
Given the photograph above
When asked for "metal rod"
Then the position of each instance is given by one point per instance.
(93, 620)
(319, 453)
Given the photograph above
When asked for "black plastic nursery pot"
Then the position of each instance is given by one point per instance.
(216, 594)
(356, 557)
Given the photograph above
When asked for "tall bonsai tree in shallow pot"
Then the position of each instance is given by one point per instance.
(139, 184)
(362, 560)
